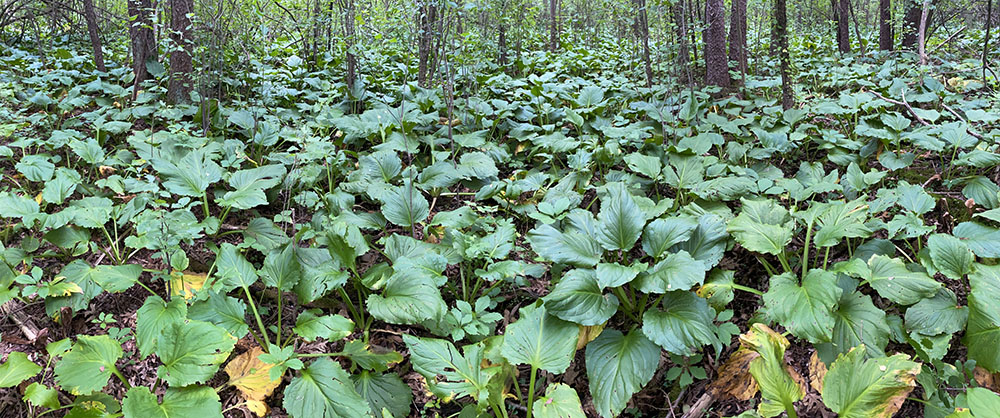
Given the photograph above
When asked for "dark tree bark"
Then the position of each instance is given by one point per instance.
(843, 36)
(683, 53)
(986, 40)
(781, 32)
(642, 32)
(179, 88)
(502, 45)
(738, 36)
(350, 59)
(716, 63)
(553, 25)
(143, 45)
(911, 22)
(426, 16)
(95, 36)
(885, 25)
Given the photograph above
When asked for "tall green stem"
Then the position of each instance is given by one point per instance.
(531, 390)
(256, 314)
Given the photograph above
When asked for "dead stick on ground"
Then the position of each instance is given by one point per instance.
(703, 402)
(904, 104)
(23, 322)
(967, 129)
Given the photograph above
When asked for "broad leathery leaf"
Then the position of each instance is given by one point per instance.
(661, 234)
(153, 317)
(185, 402)
(579, 298)
(225, 311)
(858, 321)
(233, 269)
(378, 359)
(806, 310)
(560, 401)
(191, 176)
(384, 391)
(982, 402)
(540, 340)
(192, 351)
(87, 367)
(251, 376)
(940, 314)
(17, 369)
(763, 226)
(719, 289)
(983, 240)
(708, 240)
(41, 395)
(678, 271)
(324, 389)
(281, 268)
(841, 220)
(405, 206)
(408, 298)
(856, 387)
(250, 185)
(682, 324)
(618, 366)
(893, 281)
(778, 387)
(449, 374)
(569, 247)
(620, 220)
(982, 334)
(311, 326)
(614, 274)
(950, 256)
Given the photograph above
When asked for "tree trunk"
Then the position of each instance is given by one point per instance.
(922, 30)
(553, 25)
(781, 29)
(683, 54)
(857, 31)
(843, 36)
(179, 88)
(986, 40)
(642, 32)
(143, 45)
(426, 16)
(738, 36)
(716, 63)
(95, 37)
(502, 45)
(885, 25)
(350, 59)
(911, 21)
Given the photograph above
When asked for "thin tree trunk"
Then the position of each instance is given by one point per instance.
(95, 37)
(502, 45)
(716, 64)
(179, 88)
(350, 59)
(857, 32)
(885, 25)
(642, 31)
(921, 52)
(911, 21)
(986, 40)
(143, 45)
(738, 36)
(426, 16)
(781, 26)
(692, 14)
(683, 54)
(553, 25)
(843, 37)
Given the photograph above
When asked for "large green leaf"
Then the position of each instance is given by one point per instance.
(405, 206)
(940, 314)
(192, 351)
(614, 274)
(983, 402)
(982, 334)
(281, 268)
(678, 271)
(190, 401)
(618, 366)
(950, 256)
(777, 387)
(570, 247)
(806, 310)
(682, 324)
(893, 281)
(16, 369)
(856, 387)
(250, 184)
(386, 391)
(579, 298)
(763, 226)
(540, 340)
(225, 311)
(661, 234)
(409, 297)
(449, 374)
(324, 390)
(858, 321)
(87, 367)
(559, 401)
(310, 326)
(841, 220)
(233, 269)
(153, 317)
(620, 220)
(983, 240)
(191, 176)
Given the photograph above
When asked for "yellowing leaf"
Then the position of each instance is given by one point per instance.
(38, 198)
(588, 334)
(817, 371)
(252, 377)
(186, 283)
